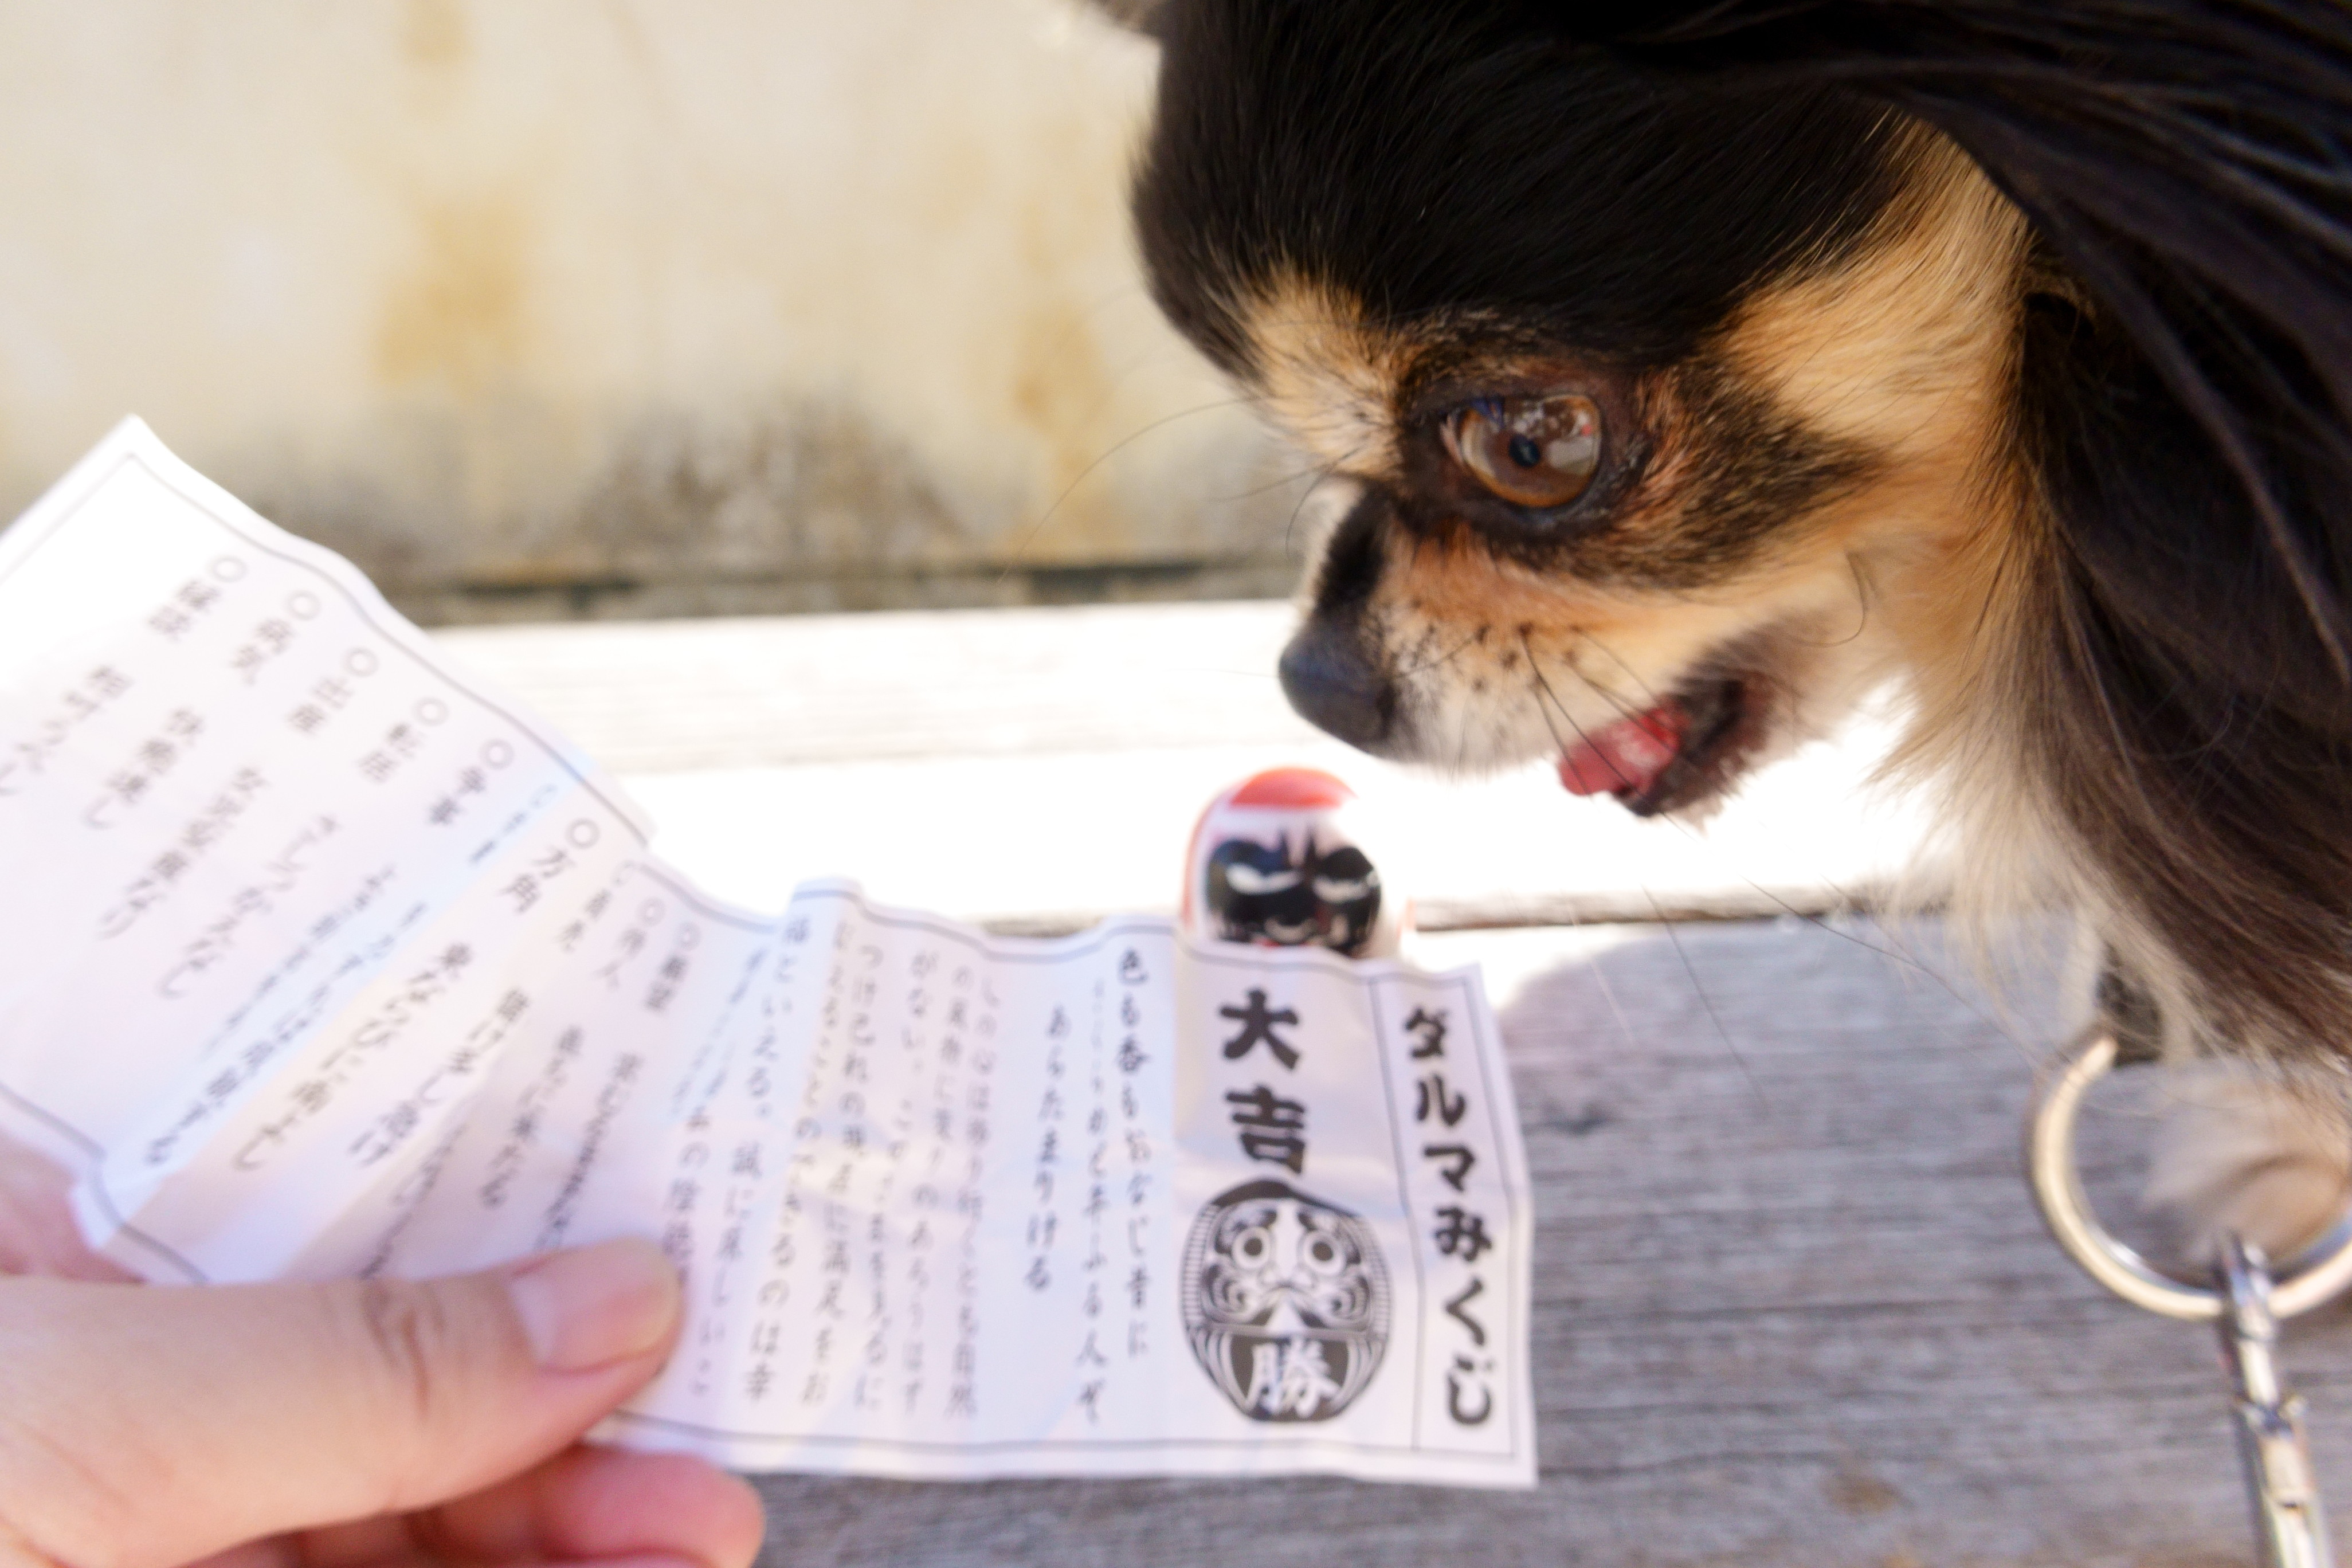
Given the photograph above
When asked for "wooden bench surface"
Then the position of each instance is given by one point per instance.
(1792, 1309)
(1038, 769)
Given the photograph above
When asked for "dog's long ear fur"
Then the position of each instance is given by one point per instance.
(2186, 428)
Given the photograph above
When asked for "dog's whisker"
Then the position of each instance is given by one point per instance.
(1862, 614)
(1451, 655)
(1535, 669)
(1021, 551)
(1330, 471)
(1697, 989)
(1648, 694)
(1841, 893)
(1318, 473)
(1895, 953)
(1462, 735)
(1600, 973)
(1298, 509)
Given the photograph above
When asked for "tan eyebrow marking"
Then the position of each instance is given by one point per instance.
(1323, 374)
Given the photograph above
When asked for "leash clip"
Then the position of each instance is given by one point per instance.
(2242, 1302)
(2273, 1444)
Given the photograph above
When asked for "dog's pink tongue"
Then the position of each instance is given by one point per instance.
(1627, 757)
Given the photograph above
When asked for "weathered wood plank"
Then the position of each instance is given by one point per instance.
(669, 696)
(1792, 1306)
(1792, 1309)
(1039, 769)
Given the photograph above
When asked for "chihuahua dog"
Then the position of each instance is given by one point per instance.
(1692, 369)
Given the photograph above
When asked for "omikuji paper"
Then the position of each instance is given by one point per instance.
(323, 959)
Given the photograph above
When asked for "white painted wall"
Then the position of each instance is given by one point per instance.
(741, 301)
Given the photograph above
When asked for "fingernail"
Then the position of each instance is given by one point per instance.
(595, 1305)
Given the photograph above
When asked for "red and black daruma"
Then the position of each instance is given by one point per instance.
(1275, 860)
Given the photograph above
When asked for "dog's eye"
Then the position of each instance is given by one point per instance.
(1531, 451)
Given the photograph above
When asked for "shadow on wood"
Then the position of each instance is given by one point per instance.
(1793, 1308)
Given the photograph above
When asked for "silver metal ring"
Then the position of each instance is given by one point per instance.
(2313, 1276)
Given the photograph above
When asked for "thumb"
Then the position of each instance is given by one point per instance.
(144, 1425)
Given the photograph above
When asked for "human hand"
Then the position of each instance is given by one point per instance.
(345, 1424)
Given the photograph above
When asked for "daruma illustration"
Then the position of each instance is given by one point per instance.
(1285, 1302)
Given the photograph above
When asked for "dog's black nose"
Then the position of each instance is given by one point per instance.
(1330, 675)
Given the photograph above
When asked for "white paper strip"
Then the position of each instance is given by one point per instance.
(327, 961)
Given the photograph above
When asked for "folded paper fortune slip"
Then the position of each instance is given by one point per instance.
(325, 960)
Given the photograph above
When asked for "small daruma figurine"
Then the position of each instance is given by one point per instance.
(1273, 861)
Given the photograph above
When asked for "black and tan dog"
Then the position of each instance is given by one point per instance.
(1694, 369)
